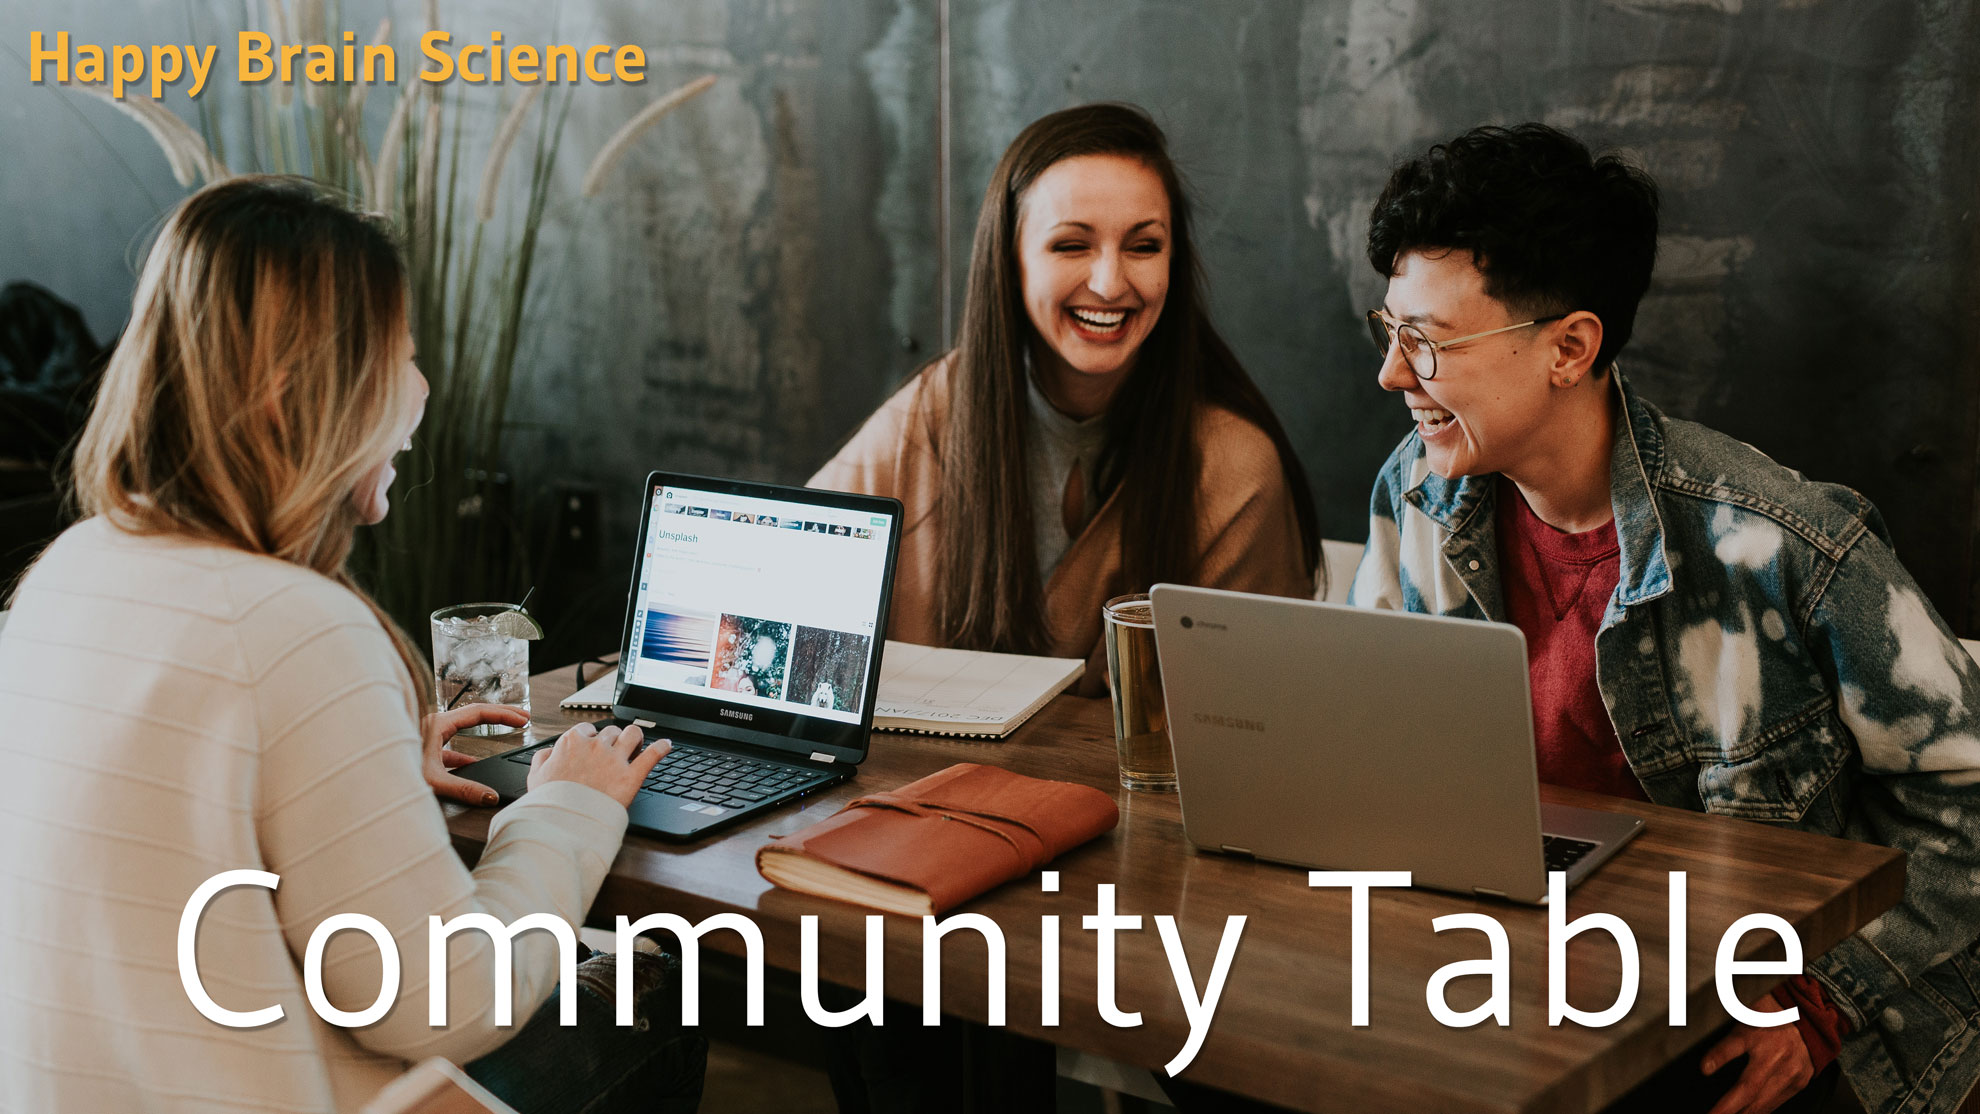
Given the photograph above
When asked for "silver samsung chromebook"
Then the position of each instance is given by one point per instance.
(1342, 738)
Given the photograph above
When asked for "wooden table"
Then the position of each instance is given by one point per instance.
(1281, 1031)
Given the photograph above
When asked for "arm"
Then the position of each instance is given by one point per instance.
(349, 824)
(1909, 694)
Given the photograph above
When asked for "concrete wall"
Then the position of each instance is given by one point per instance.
(769, 262)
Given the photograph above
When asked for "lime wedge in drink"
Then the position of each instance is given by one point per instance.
(517, 624)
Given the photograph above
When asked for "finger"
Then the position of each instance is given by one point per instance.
(626, 743)
(1725, 1052)
(451, 788)
(1769, 1092)
(541, 756)
(474, 715)
(1769, 1078)
(453, 759)
(646, 759)
(1740, 1098)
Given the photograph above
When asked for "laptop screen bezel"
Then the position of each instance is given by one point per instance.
(808, 736)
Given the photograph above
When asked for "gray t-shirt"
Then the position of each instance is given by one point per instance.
(1054, 445)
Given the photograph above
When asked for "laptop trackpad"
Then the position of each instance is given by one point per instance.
(659, 812)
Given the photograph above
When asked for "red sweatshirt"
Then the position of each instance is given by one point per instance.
(1556, 587)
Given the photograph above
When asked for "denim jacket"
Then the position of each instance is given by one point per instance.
(1764, 656)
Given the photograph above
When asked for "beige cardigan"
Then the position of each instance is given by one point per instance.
(173, 710)
(1247, 529)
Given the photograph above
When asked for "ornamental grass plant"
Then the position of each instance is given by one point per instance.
(458, 532)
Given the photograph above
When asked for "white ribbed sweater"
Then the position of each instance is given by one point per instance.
(170, 710)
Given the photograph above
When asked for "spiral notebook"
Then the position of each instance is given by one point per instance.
(930, 691)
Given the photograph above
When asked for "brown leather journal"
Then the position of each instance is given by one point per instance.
(935, 843)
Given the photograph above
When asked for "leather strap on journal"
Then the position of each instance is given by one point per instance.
(1031, 852)
(955, 833)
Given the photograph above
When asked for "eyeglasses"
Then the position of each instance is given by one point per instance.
(1419, 351)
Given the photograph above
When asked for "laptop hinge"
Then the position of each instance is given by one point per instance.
(1229, 850)
(820, 756)
(1500, 894)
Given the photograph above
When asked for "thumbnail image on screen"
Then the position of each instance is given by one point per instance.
(828, 669)
(752, 656)
(679, 645)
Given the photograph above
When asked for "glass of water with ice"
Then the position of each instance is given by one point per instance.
(481, 656)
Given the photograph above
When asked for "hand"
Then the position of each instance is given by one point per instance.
(436, 759)
(1777, 1065)
(609, 761)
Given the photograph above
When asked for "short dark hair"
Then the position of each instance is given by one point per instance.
(1553, 229)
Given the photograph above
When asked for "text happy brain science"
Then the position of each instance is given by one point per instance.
(260, 59)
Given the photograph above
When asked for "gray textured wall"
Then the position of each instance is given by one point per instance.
(1816, 293)
(767, 264)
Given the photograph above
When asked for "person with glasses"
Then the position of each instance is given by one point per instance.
(1705, 628)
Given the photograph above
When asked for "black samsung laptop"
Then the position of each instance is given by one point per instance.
(754, 625)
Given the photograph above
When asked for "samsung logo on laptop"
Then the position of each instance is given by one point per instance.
(1235, 723)
(737, 713)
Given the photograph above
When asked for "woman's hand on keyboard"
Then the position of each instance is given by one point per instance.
(609, 761)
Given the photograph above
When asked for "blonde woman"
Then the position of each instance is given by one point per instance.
(192, 684)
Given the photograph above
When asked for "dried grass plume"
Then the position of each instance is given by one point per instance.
(358, 91)
(184, 150)
(615, 148)
(281, 32)
(382, 181)
(426, 177)
(505, 138)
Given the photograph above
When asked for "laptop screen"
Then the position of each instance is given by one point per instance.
(765, 605)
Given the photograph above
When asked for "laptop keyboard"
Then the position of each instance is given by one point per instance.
(1562, 852)
(714, 777)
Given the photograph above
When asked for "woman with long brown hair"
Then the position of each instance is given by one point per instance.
(1090, 434)
(193, 685)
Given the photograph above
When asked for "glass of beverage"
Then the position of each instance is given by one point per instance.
(481, 656)
(1134, 677)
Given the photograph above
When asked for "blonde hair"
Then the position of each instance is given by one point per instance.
(257, 382)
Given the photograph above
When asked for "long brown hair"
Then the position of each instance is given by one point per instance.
(257, 382)
(991, 595)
